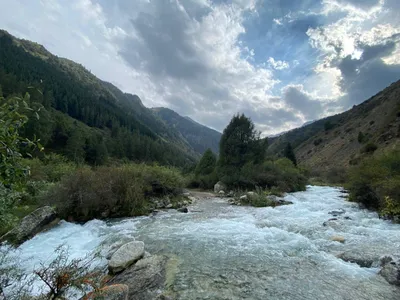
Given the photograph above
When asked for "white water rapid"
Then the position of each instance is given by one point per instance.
(230, 252)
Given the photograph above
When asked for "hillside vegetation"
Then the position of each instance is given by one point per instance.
(344, 140)
(82, 117)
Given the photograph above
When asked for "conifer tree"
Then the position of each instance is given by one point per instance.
(289, 153)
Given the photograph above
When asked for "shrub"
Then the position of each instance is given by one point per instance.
(112, 191)
(281, 174)
(51, 168)
(375, 183)
(317, 141)
(8, 199)
(361, 137)
(369, 148)
(328, 125)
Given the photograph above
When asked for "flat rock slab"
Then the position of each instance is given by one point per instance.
(125, 256)
(30, 225)
(146, 279)
(365, 260)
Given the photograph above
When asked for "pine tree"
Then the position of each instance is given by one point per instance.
(240, 143)
(289, 153)
(207, 163)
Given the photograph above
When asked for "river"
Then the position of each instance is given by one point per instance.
(234, 252)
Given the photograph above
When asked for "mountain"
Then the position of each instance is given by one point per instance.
(344, 139)
(198, 136)
(83, 117)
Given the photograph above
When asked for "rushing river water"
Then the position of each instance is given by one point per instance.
(230, 252)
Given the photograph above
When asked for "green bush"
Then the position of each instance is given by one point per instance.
(369, 148)
(8, 200)
(317, 141)
(375, 183)
(280, 174)
(112, 191)
(51, 168)
(361, 137)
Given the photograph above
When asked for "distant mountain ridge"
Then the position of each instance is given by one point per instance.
(344, 139)
(199, 137)
(81, 105)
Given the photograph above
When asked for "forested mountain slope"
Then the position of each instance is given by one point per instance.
(198, 136)
(344, 139)
(81, 116)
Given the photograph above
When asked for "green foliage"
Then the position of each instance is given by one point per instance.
(205, 175)
(289, 154)
(369, 148)
(81, 117)
(240, 144)
(361, 138)
(8, 199)
(12, 145)
(206, 164)
(328, 125)
(112, 191)
(280, 175)
(317, 141)
(257, 199)
(375, 183)
(50, 168)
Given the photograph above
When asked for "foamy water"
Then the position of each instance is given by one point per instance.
(229, 252)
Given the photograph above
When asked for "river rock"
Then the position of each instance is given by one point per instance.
(146, 279)
(243, 197)
(221, 193)
(219, 186)
(183, 210)
(336, 213)
(338, 238)
(30, 225)
(363, 259)
(390, 270)
(110, 292)
(251, 194)
(125, 256)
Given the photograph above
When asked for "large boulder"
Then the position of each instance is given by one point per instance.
(390, 271)
(146, 279)
(219, 186)
(110, 292)
(125, 256)
(30, 225)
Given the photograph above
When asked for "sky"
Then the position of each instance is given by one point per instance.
(281, 63)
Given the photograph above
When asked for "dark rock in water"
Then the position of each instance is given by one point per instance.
(390, 270)
(365, 260)
(347, 218)
(183, 210)
(146, 279)
(336, 213)
(30, 225)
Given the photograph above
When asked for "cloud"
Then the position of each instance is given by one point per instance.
(280, 62)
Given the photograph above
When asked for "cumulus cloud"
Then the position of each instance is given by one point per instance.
(278, 64)
(207, 59)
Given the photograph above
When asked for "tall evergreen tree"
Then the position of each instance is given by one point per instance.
(240, 143)
(289, 153)
(207, 163)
